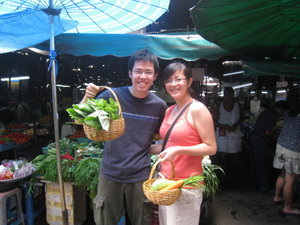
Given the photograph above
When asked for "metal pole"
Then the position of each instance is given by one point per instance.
(55, 120)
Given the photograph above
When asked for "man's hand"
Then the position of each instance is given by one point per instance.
(91, 91)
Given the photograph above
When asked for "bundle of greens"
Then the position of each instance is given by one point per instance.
(95, 112)
(83, 172)
(80, 163)
(86, 174)
(211, 179)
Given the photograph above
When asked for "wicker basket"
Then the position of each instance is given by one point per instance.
(160, 197)
(116, 127)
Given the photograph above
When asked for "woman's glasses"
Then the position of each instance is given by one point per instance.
(176, 81)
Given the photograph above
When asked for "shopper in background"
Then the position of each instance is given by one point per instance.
(228, 117)
(6, 115)
(20, 109)
(191, 138)
(126, 162)
(287, 156)
(262, 154)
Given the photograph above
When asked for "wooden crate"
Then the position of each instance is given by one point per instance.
(75, 203)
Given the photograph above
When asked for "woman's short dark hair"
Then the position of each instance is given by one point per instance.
(176, 66)
(143, 55)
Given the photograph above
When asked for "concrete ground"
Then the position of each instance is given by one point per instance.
(243, 207)
(237, 206)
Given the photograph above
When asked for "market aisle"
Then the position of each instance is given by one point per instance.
(242, 207)
(236, 206)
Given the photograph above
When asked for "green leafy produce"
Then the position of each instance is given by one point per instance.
(86, 174)
(210, 177)
(95, 112)
(82, 168)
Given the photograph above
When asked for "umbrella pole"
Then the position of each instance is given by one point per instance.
(55, 120)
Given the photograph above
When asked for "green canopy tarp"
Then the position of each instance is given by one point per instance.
(271, 68)
(189, 47)
(254, 28)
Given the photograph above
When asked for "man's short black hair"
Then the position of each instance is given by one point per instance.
(143, 55)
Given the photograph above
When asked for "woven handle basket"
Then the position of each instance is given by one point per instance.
(116, 127)
(160, 197)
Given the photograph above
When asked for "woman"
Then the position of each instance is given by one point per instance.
(192, 138)
(287, 156)
(228, 117)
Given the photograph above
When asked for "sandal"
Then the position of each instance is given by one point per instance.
(292, 212)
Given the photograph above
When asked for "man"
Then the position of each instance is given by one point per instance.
(126, 162)
(262, 136)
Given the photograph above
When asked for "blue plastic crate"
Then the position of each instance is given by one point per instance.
(83, 140)
(7, 146)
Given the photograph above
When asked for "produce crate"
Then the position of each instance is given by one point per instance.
(83, 140)
(7, 146)
(75, 203)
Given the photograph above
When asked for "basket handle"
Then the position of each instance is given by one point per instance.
(115, 96)
(154, 168)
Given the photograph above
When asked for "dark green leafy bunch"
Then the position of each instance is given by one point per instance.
(82, 171)
(210, 179)
(46, 166)
(86, 174)
(95, 112)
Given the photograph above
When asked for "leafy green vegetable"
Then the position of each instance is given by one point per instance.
(87, 173)
(211, 179)
(83, 170)
(95, 112)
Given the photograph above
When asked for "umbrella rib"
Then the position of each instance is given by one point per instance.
(126, 11)
(26, 4)
(145, 3)
(63, 5)
(89, 16)
(108, 16)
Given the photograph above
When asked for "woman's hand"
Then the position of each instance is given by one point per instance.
(169, 153)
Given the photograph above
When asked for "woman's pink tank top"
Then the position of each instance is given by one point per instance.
(182, 134)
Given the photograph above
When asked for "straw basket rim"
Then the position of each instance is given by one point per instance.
(116, 128)
(160, 197)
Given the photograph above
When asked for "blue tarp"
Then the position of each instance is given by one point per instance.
(30, 28)
(22, 29)
(187, 47)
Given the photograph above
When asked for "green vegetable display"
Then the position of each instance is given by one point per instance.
(80, 164)
(95, 112)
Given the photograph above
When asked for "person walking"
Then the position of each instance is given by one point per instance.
(191, 138)
(262, 154)
(287, 155)
(126, 162)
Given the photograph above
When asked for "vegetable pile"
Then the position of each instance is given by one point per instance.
(80, 164)
(15, 137)
(95, 112)
(166, 185)
(12, 169)
(210, 178)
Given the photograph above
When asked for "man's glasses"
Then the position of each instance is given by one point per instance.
(141, 72)
(176, 81)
